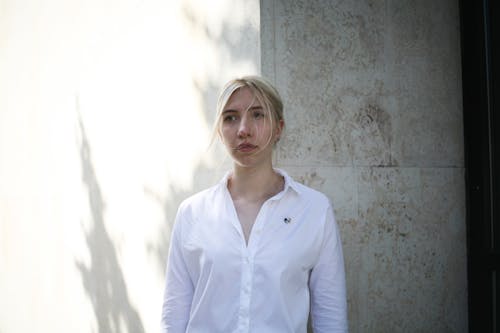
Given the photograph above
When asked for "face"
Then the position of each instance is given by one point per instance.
(246, 129)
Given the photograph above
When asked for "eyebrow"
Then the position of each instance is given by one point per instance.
(256, 107)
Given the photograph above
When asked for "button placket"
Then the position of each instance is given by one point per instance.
(246, 290)
(248, 254)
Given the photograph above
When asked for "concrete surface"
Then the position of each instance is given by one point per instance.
(373, 113)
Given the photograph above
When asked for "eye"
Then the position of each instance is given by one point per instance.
(258, 114)
(229, 118)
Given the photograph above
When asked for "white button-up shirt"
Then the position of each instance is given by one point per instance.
(292, 265)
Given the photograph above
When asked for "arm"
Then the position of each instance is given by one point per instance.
(327, 283)
(178, 287)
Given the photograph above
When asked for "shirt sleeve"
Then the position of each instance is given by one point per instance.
(178, 287)
(327, 283)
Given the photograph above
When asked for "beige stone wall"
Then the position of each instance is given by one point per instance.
(372, 93)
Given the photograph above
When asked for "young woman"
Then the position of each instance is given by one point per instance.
(258, 252)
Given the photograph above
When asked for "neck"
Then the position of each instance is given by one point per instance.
(254, 184)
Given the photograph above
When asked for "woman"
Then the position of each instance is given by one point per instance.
(257, 252)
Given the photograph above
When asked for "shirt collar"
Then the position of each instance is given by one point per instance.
(289, 182)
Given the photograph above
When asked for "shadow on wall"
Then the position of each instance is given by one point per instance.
(231, 47)
(103, 279)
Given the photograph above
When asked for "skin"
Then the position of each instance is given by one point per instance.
(249, 139)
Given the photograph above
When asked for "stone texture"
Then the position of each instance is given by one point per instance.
(366, 67)
(373, 119)
(407, 237)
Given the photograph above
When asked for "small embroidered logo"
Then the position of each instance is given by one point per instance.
(287, 220)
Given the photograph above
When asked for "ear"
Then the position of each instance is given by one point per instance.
(279, 129)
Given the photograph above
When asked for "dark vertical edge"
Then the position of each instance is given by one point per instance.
(478, 162)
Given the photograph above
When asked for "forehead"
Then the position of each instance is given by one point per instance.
(242, 99)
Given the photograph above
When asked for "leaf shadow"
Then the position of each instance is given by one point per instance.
(103, 278)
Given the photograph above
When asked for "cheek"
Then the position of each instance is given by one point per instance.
(265, 131)
(225, 134)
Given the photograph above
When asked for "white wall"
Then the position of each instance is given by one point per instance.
(105, 118)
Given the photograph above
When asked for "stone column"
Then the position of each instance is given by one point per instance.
(372, 93)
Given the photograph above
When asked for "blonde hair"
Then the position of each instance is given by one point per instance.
(265, 93)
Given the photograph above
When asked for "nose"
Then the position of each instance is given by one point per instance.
(244, 128)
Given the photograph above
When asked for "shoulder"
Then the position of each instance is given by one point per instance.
(308, 195)
(199, 201)
(312, 194)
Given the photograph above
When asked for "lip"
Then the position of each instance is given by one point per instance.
(245, 147)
